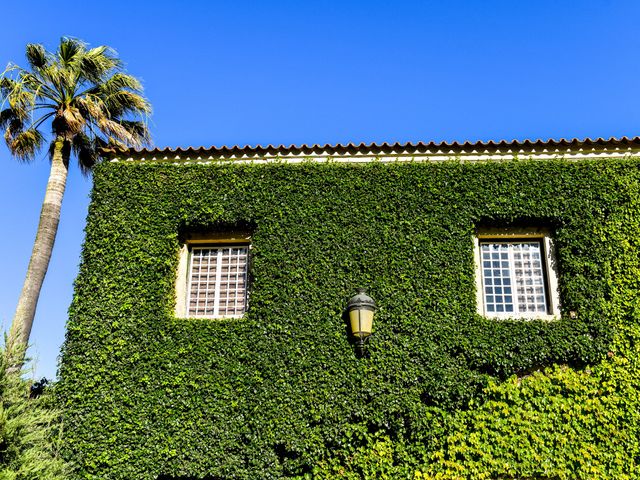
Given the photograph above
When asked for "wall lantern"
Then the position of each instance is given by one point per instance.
(361, 308)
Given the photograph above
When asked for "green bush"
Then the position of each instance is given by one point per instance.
(30, 428)
(280, 392)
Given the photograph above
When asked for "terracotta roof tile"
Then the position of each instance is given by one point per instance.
(383, 148)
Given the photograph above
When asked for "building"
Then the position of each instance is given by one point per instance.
(208, 336)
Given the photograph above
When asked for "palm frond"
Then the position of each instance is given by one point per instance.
(113, 144)
(26, 144)
(53, 76)
(37, 56)
(118, 81)
(14, 127)
(6, 85)
(40, 89)
(97, 63)
(86, 151)
(139, 130)
(6, 117)
(91, 107)
(68, 122)
(125, 102)
(68, 51)
(21, 100)
(118, 132)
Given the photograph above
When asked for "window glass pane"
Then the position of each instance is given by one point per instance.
(495, 277)
(532, 298)
(218, 281)
(517, 263)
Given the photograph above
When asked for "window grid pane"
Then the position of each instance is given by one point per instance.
(218, 281)
(530, 291)
(506, 265)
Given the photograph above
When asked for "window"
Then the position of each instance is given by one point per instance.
(212, 276)
(516, 275)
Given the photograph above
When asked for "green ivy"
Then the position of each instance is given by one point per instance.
(444, 392)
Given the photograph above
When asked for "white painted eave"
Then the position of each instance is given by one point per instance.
(472, 155)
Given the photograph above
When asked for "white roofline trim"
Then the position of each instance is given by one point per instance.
(581, 153)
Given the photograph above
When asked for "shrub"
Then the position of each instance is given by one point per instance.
(30, 428)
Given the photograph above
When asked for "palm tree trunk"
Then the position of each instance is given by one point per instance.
(18, 339)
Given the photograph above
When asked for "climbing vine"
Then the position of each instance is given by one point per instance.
(444, 392)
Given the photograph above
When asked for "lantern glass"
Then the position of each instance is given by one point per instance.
(361, 321)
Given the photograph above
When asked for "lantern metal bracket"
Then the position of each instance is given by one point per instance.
(361, 351)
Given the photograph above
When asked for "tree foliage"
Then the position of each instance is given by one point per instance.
(30, 430)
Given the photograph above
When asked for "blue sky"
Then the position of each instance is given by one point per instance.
(291, 72)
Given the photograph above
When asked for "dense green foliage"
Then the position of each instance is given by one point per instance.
(29, 430)
(280, 391)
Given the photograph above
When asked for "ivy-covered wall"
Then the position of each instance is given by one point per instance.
(444, 392)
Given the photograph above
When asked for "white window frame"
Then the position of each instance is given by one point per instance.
(198, 241)
(507, 235)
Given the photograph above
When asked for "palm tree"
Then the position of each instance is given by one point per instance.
(93, 107)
